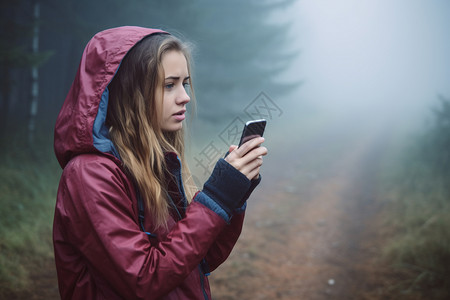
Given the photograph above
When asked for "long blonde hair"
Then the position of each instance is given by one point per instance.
(134, 122)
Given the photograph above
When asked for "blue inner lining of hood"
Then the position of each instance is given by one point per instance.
(100, 131)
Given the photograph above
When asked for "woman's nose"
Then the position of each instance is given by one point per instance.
(183, 97)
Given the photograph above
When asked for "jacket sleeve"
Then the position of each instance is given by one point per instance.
(224, 244)
(222, 247)
(98, 218)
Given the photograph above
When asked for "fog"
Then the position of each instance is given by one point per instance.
(372, 57)
(371, 63)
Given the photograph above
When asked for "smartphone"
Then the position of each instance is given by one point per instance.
(252, 129)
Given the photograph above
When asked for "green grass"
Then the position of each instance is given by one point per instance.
(418, 214)
(28, 183)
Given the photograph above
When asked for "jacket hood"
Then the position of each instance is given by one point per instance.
(80, 126)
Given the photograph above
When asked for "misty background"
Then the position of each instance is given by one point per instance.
(329, 76)
(377, 58)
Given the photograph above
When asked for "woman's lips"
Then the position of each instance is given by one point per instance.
(179, 116)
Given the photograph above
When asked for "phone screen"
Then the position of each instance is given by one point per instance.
(252, 129)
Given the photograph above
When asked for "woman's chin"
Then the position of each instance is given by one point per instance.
(173, 127)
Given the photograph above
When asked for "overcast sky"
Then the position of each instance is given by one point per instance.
(378, 55)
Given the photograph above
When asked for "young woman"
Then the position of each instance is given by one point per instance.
(126, 225)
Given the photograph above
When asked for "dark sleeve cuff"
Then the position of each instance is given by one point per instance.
(253, 185)
(226, 187)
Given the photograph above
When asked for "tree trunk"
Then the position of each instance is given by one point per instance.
(5, 80)
(34, 99)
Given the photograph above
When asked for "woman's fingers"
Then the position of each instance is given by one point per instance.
(254, 154)
(241, 162)
(249, 145)
(254, 174)
(248, 157)
(236, 153)
(251, 166)
(232, 147)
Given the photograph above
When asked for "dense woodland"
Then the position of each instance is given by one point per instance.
(237, 50)
(41, 43)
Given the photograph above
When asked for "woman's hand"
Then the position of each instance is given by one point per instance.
(248, 158)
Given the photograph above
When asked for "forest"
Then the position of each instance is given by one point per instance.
(395, 175)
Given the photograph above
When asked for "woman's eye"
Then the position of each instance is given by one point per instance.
(169, 85)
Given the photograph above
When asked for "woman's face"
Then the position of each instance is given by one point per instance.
(175, 97)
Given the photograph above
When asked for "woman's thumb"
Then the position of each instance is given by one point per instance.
(232, 147)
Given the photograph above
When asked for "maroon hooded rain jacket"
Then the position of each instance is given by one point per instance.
(100, 250)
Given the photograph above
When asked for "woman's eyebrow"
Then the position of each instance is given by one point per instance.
(177, 78)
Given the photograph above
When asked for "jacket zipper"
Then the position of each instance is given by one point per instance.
(202, 282)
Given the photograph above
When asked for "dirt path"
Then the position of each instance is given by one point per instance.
(311, 234)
